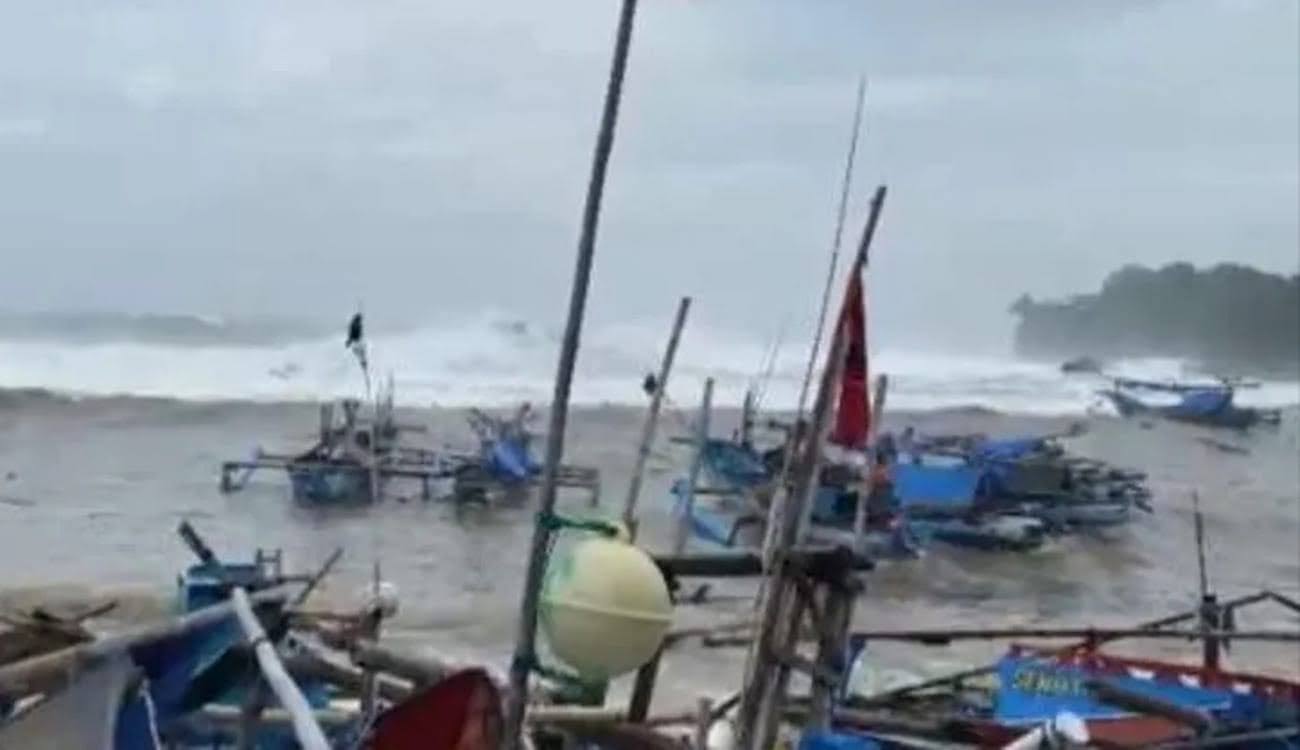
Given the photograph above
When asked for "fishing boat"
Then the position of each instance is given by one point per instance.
(1082, 694)
(1209, 405)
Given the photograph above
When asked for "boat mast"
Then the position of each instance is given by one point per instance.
(526, 645)
(841, 213)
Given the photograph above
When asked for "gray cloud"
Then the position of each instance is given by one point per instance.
(430, 157)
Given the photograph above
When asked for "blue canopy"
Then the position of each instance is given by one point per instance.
(948, 487)
(1010, 449)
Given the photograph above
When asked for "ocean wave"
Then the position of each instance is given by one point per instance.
(81, 328)
(491, 359)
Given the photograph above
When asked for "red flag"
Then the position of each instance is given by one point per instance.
(853, 413)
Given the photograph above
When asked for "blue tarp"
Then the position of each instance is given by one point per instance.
(1012, 449)
(509, 461)
(953, 488)
(1031, 690)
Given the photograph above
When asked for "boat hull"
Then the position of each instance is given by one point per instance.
(331, 485)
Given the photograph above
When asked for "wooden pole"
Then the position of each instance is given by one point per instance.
(860, 512)
(941, 636)
(859, 262)
(945, 636)
(652, 417)
(747, 419)
(525, 655)
(760, 704)
(683, 531)
(1209, 611)
(305, 728)
(703, 723)
(638, 704)
(831, 639)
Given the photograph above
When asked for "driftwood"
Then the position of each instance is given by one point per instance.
(40, 632)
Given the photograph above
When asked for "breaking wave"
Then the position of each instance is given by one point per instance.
(172, 330)
(491, 360)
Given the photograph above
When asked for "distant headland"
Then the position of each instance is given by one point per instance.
(1229, 318)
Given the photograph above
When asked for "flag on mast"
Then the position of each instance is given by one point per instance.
(853, 412)
(356, 343)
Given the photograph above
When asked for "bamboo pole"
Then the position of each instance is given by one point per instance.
(1095, 634)
(525, 655)
(967, 674)
(830, 648)
(859, 263)
(308, 664)
(683, 530)
(652, 418)
(703, 722)
(764, 683)
(43, 673)
(747, 419)
(944, 636)
(305, 728)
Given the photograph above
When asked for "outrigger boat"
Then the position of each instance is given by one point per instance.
(356, 457)
(360, 460)
(606, 610)
(1209, 405)
(969, 491)
(352, 461)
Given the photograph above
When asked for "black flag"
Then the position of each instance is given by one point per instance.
(354, 331)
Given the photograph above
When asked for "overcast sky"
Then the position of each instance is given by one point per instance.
(261, 157)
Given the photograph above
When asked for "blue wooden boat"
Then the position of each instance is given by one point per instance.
(1035, 685)
(1210, 405)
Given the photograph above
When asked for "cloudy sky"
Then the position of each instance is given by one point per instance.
(290, 157)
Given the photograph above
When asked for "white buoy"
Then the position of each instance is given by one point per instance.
(722, 736)
(605, 608)
(380, 597)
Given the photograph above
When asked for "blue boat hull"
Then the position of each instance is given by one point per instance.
(335, 485)
(1067, 515)
(1229, 416)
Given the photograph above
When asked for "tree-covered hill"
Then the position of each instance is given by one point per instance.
(1229, 317)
